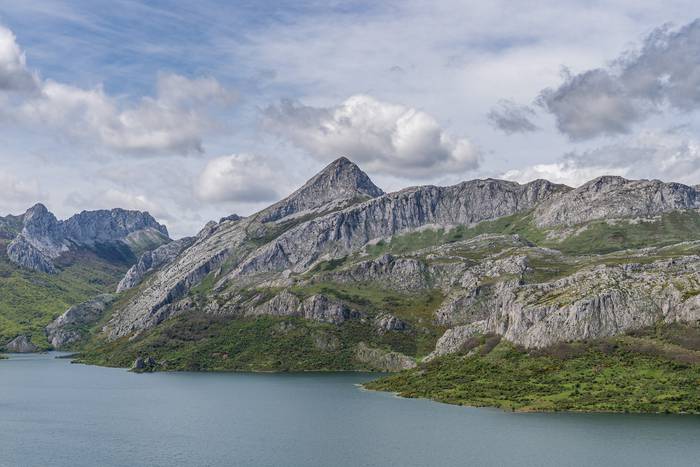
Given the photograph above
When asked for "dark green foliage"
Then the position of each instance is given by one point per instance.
(602, 237)
(29, 300)
(199, 341)
(624, 374)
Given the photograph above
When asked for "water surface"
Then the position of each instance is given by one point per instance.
(54, 413)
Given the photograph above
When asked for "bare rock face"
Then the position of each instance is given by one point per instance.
(395, 273)
(326, 236)
(611, 197)
(70, 326)
(340, 233)
(316, 308)
(153, 260)
(387, 322)
(340, 182)
(21, 344)
(43, 238)
(382, 360)
(599, 301)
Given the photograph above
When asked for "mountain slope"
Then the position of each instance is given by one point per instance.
(63, 263)
(413, 274)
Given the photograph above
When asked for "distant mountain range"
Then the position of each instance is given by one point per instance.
(340, 275)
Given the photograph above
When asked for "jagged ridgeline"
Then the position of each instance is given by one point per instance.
(47, 265)
(340, 275)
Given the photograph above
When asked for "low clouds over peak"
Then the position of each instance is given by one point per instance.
(382, 137)
(669, 156)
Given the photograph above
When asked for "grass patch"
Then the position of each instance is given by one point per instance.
(204, 342)
(625, 374)
(30, 300)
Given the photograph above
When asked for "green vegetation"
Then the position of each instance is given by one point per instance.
(204, 342)
(418, 310)
(602, 237)
(597, 237)
(29, 300)
(654, 370)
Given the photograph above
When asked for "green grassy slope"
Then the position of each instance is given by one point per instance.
(203, 342)
(30, 300)
(656, 370)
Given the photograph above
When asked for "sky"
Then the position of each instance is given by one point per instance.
(197, 110)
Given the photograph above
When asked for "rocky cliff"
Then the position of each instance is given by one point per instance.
(422, 271)
(43, 238)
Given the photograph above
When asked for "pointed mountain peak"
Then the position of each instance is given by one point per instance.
(37, 210)
(344, 177)
(339, 183)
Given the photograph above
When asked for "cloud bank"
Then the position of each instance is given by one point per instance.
(382, 137)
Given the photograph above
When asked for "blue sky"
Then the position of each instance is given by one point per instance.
(195, 110)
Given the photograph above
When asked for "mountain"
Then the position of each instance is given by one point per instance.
(440, 283)
(48, 265)
(537, 263)
(43, 238)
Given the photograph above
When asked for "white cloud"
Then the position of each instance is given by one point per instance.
(239, 177)
(14, 75)
(669, 156)
(381, 137)
(561, 172)
(171, 122)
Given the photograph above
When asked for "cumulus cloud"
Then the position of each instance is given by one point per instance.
(14, 74)
(510, 117)
(383, 137)
(173, 121)
(239, 177)
(665, 71)
(670, 156)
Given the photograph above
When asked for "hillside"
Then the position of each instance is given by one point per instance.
(440, 281)
(91, 253)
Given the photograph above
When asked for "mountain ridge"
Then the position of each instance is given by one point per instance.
(43, 237)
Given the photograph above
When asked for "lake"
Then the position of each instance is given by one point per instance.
(54, 413)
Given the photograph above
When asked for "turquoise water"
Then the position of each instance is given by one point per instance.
(53, 413)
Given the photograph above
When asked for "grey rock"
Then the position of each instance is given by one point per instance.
(21, 344)
(382, 360)
(340, 233)
(69, 327)
(230, 218)
(595, 302)
(144, 364)
(386, 322)
(404, 274)
(327, 236)
(338, 183)
(153, 260)
(611, 197)
(316, 308)
(43, 238)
